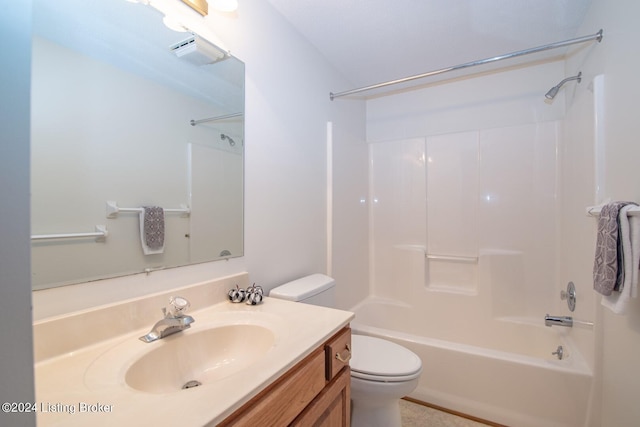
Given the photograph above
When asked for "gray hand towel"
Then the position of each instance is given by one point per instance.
(629, 234)
(153, 227)
(607, 263)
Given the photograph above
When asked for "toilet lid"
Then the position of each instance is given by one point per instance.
(378, 359)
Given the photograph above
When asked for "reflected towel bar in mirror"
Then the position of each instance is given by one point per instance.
(213, 119)
(100, 234)
(113, 210)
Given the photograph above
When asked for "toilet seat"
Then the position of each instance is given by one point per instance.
(375, 359)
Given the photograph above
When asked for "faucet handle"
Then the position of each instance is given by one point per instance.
(178, 306)
(570, 296)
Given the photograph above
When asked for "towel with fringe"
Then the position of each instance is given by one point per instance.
(629, 236)
(152, 230)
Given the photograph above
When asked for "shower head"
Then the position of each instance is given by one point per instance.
(554, 90)
(228, 138)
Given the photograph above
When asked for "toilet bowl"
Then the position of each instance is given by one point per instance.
(381, 371)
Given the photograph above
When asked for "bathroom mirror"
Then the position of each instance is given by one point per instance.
(119, 121)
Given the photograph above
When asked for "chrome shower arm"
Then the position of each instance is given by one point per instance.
(554, 90)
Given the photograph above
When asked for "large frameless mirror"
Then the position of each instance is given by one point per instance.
(128, 114)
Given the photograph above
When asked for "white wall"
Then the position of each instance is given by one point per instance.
(288, 108)
(616, 58)
(16, 367)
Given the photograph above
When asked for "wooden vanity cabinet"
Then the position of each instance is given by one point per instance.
(332, 407)
(315, 392)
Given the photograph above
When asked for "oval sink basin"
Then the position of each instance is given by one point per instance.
(189, 360)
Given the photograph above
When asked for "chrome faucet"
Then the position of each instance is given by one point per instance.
(174, 320)
(558, 321)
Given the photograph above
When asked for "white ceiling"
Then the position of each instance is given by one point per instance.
(372, 41)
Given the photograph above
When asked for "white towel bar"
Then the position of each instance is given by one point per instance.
(595, 211)
(113, 210)
(100, 234)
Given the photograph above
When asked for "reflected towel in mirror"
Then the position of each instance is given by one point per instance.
(152, 230)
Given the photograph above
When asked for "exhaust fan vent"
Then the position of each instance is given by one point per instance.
(198, 51)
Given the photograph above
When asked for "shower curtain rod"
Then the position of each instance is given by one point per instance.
(213, 119)
(597, 36)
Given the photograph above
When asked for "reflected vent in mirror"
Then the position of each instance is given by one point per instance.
(198, 51)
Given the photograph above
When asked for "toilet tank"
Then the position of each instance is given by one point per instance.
(316, 289)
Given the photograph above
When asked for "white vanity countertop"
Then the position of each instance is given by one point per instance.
(86, 386)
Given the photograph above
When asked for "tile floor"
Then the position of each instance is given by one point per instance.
(416, 415)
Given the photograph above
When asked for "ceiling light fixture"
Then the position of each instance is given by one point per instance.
(174, 25)
(200, 6)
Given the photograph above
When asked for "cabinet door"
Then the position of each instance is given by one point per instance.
(332, 407)
(280, 403)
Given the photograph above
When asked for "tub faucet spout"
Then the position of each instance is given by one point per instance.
(558, 321)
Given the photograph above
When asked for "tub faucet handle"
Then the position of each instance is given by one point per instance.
(570, 296)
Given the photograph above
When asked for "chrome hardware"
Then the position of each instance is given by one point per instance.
(558, 321)
(570, 296)
(559, 352)
(178, 306)
(345, 356)
(174, 320)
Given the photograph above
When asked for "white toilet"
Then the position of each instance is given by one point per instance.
(381, 371)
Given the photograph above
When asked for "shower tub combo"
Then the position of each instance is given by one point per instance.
(503, 371)
(466, 254)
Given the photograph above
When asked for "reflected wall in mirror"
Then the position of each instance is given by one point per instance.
(112, 112)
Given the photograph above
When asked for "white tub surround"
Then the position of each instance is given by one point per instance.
(500, 370)
(82, 358)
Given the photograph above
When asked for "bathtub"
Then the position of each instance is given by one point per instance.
(500, 370)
